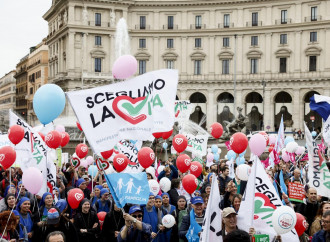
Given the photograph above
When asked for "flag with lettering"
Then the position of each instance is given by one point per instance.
(197, 144)
(326, 131)
(182, 110)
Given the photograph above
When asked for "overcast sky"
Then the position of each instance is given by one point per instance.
(21, 27)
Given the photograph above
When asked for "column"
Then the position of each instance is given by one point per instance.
(327, 50)
(210, 118)
(60, 55)
(240, 58)
(211, 59)
(268, 16)
(184, 59)
(70, 52)
(84, 63)
(297, 52)
(238, 101)
(155, 24)
(268, 114)
(111, 47)
(156, 55)
(268, 53)
(297, 116)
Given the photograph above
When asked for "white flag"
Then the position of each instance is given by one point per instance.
(326, 131)
(197, 144)
(212, 223)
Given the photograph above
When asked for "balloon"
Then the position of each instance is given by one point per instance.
(15, 134)
(89, 160)
(42, 136)
(179, 142)
(83, 163)
(301, 224)
(160, 169)
(270, 149)
(78, 126)
(183, 162)
(157, 135)
(48, 102)
(146, 157)
(209, 150)
(284, 219)
(124, 67)
(165, 145)
(120, 162)
(92, 170)
(216, 130)
(53, 139)
(291, 147)
(74, 197)
(107, 154)
(288, 139)
(238, 142)
(285, 156)
(168, 134)
(189, 183)
(65, 139)
(60, 128)
(216, 157)
(168, 221)
(7, 156)
(214, 149)
(165, 184)
(231, 155)
(240, 160)
(196, 168)
(242, 154)
(210, 157)
(32, 180)
(266, 137)
(300, 150)
(153, 186)
(81, 150)
(257, 144)
(243, 171)
(314, 133)
(272, 139)
(101, 217)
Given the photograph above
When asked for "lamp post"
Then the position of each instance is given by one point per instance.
(235, 57)
(263, 83)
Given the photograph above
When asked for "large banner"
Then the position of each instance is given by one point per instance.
(130, 149)
(197, 144)
(4, 141)
(326, 131)
(182, 110)
(133, 109)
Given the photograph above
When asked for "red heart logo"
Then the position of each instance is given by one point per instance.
(179, 141)
(152, 156)
(120, 161)
(49, 137)
(84, 149)
(78, 196)
(2, 157)
(187, 162)
(75, 161)
(194, 168)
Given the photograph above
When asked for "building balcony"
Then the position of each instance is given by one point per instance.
(283, 21)
(225, 25)
(99, 24)
(313, 18)
(198, 26)
(253, 23)
(175, 26)
(97, 75)
(146, 27)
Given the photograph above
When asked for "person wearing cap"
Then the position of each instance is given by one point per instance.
(25, 225)
(134, 229)
(103, 204)
(150, 215)
(158, 202)
(96, 194)
(81, 183)
(194, 219)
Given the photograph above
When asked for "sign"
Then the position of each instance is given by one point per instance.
(133, 109)
(197, 144)
(182, 110)
(296, 192)
(312, 118)
(260, 238)
(59, 157)
(326, 131)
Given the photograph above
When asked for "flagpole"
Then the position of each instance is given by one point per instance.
(254, 185)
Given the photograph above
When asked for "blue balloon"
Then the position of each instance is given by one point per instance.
(231, 155)
(288, 139)
(48, 103)
(242, 154)
(216, 157)
(314, 133)
(214, 149)
(240, 160)
(165, 145)
(92, 170)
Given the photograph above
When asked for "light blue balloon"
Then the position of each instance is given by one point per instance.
(240, 160)
(242, 154)
(231, 155)
(314, 133)
(214, 149)
(216, 157)
(288, 139)
(48, 103)
(165, 145)
(92, 170)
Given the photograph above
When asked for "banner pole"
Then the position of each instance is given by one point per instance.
(254, 189)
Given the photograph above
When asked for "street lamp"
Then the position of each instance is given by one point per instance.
(235, 57)
(263, 83)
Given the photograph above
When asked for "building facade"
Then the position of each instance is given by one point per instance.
(21, 87)
(7, 98)
(267, 58)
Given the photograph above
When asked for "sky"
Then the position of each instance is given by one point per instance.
(21, 27)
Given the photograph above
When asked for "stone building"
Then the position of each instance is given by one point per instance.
(21, 87)
(266, 57)
(7, 98)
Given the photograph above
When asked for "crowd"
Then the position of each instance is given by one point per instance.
(26, 217)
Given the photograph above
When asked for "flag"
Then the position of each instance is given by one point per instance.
(212, 223)
(231, 168)
(326, 131)
(197, 144)
(194, 228)
(279, 144)
(282, 184)
(132, 109)
(182, 110)
(321, 105)
(156, 165)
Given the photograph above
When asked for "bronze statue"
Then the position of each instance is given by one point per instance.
(237, 125)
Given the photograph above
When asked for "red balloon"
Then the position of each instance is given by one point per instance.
(168, 134)
(265, 136)
(81, 150)
(183, 163)
(75, 196)
(42, 136)
(65, 139)
(120, 162)
(270, 149)
(189, 183)
(101, 217)
(146, 157)
(238, 142)
(16, 134)
(216, 130)
(301, 224)
(196, 168)
(53, 139)
(180, 142)
(7, 156)
(157, 135)
(107, 154)
(78, 126)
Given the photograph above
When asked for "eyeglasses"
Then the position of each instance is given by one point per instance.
(137, 216)
(325, 221)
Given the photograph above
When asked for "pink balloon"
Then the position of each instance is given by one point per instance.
(124, 67)
(83, 163)
(89, 159)
(285, 156)
(32, 180)
(257, 144)
(210, 157)
(272, 139)
(300, 150)
(60, 128)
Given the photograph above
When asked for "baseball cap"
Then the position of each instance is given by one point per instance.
(227, 211)
(85, 177)
(134, 209)
(53, 216)
(196, 200)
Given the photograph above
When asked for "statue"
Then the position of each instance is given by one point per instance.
(237, 125)
(287, 118)
(225, 115)
(112, 19)
(59, 19)
(197, 117)
(65, 17)
(255, 119)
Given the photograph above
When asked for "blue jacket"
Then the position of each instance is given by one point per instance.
(174, 173)
(319, 236)
(137, 235)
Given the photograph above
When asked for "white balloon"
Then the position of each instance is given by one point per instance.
(168, 221)
(243, 171)
(165, 184)
(291, 147)
(160, 169)
(154, 187)
(219, 151)
(151, 171)
(226, 157)
(284, 219)
(209, 150)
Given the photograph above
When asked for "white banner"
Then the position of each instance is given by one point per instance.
(326, 131)
(197, 144)
(182, 110)
(133, 109)
(4, 141)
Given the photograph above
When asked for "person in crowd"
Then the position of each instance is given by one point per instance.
(174, 192)
(8, 203)
(166, 203)
(62, 205)
(205, 198)
(112, 224)
(46, 203)
(135, 229)
(231, 190)
(206, 188)
(178, 214)
(96, 194)
(324, 234)
(316, 225)
(25, 225)
(86, 222)
(81, 172)
(81, 183)
(237, 235)
(24, 193)
(56, 236)
(103, 204)
(236, 202)
(10, 189)
(150, 215)
(158, 202)
(170, 171)
(151, 173)
(297, 177)
(223, 180)
(8, 224)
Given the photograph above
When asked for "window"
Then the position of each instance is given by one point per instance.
(225, 42)
(283, 39)
(170, 22)
(97, 64)
(142, 43)
(198, 22)
(226, 20)
(282, 65)
(142, 22)
(170, 43)
(254, 19)
(98, 40)
(284, 16)
(31, 90)
(312, 63)
(198, 42)
(170, 64)
(254, 40)
(313, 13)
(142, 66)
(197, 67)
(254, 66)
(97, 19)
(225, 66)
(313, 36)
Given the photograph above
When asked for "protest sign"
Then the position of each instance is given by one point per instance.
(197, 144)
(296, 192)
(133, 109)
(182, 110)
